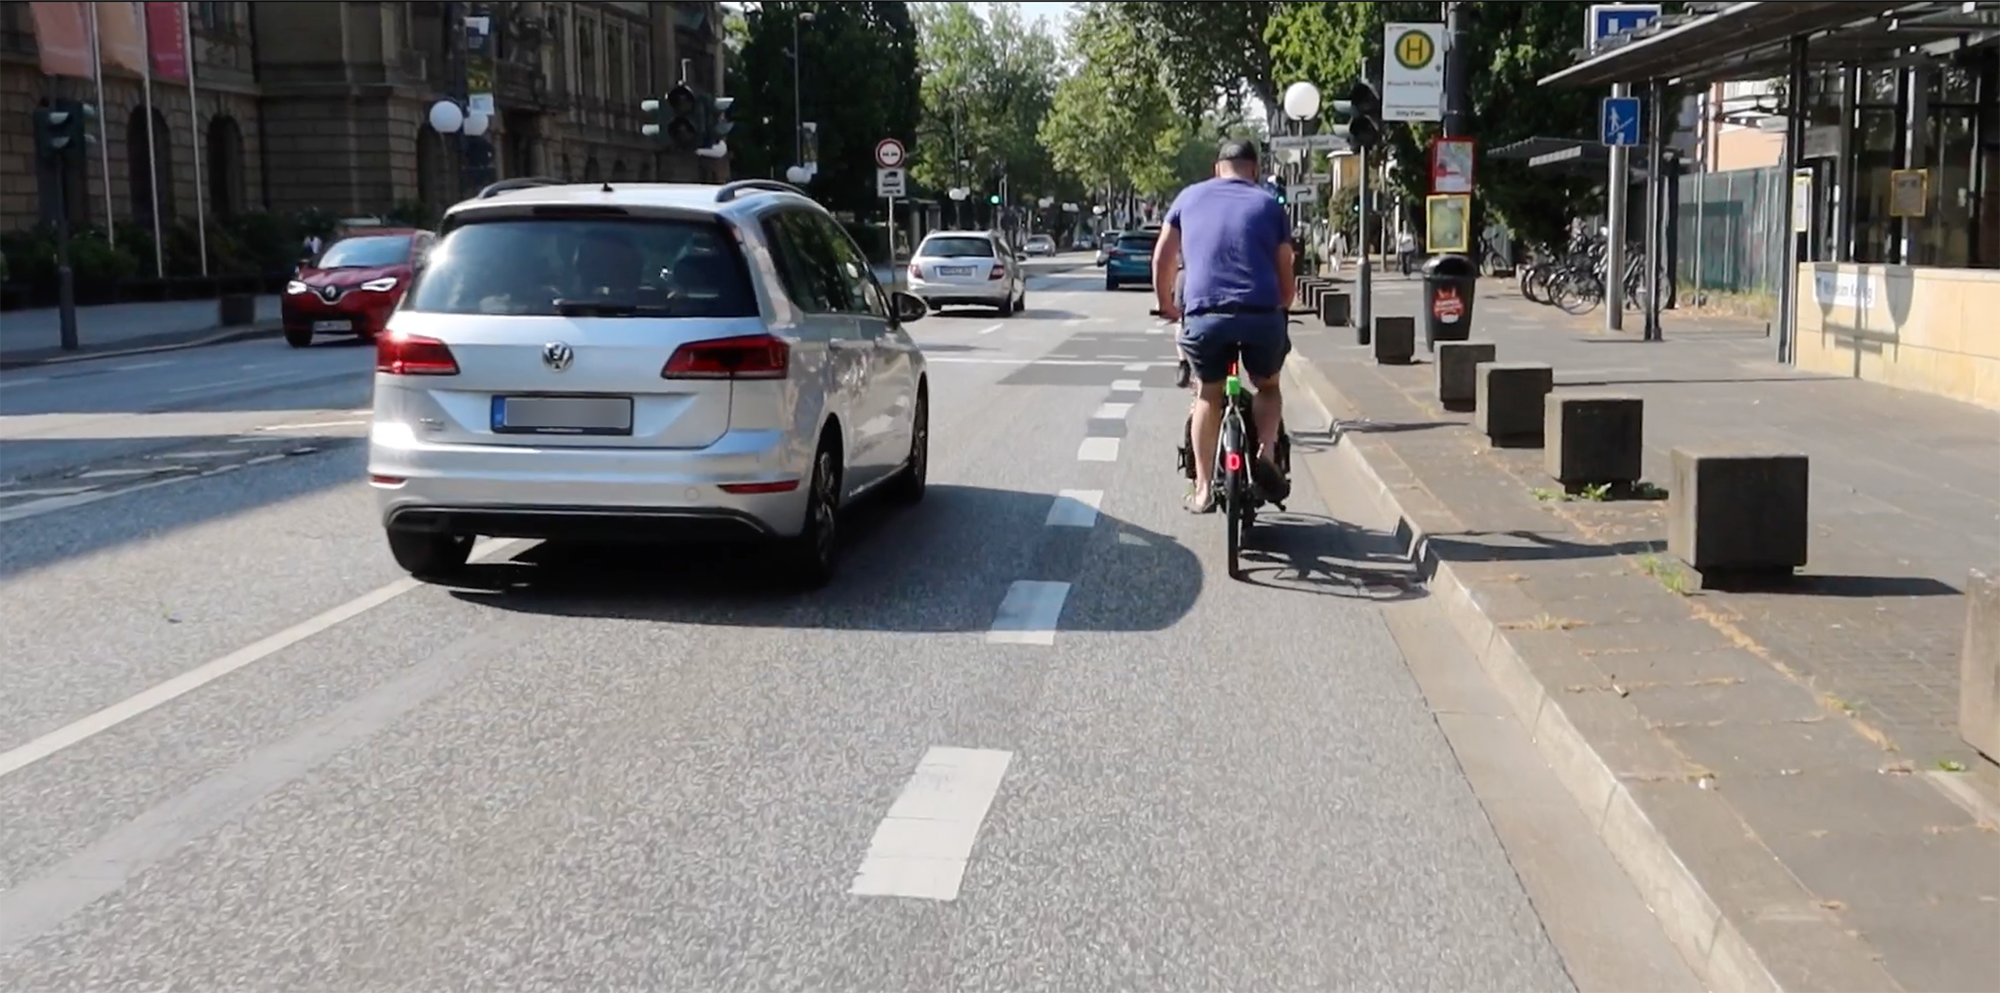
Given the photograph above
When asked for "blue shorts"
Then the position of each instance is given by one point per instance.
(1212, 341)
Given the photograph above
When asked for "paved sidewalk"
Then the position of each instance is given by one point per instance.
(1772, 767)
(34, 335)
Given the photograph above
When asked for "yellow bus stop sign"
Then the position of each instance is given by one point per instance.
(1414, 50)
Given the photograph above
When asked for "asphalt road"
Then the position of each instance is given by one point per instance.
(625, 770)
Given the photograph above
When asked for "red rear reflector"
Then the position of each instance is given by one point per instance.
(1234, 461)
(413, 355)
(385, 480)
(755, 356)
(748, 489)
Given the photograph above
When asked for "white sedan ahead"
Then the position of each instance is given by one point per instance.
(968, 269)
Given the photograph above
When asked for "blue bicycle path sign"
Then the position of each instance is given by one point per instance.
(1618, 121)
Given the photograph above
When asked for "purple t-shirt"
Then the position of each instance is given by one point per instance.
(1230, 233)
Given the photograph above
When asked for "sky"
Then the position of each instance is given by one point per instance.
(1051, 14)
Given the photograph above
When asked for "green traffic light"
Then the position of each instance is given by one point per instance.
(994, 199)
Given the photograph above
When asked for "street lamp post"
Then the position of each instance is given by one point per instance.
(1301, 105)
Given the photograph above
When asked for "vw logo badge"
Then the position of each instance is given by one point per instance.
(557, 355)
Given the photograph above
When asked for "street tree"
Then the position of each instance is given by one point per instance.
(1210, 52)
(1513, 46)
(988, 82)
(859, 81)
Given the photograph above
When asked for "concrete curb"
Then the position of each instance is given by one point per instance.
(203, 339)
(1714, 946)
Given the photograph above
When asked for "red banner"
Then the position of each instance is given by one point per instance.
(62, 35)
(166, 42)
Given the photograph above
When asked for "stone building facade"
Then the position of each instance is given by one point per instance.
(314, 104)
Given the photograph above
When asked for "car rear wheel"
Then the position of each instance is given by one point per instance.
(298, 337)
(814, 556)
(909, 485)
(429, 554)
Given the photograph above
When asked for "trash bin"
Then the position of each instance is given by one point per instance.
(1449, 284)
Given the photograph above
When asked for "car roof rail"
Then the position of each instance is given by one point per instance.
(730, 191)
(519, 183)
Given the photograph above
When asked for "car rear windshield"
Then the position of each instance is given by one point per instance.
(957, 248)
(370, 252)
(1138, 242)
(586, 267)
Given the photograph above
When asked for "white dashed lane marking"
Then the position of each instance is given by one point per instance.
(1112, 412)
(1138, 367)
(1075, 509)
(1028, 614)
(1097, 450)
(921, 848)
(1126, 386)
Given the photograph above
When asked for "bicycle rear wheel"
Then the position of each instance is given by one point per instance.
(1235, 500)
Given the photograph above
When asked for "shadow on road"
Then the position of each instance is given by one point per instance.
(941, 566)
(1310, 553)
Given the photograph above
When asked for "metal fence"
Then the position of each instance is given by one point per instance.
(1732, 228)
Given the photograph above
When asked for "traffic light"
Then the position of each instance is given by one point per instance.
(994, 199)
(717, 119)
(63, 128)
(1363, 110)
(679, 120)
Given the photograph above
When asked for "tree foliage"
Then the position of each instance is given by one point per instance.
(1209, 52)
(1513, 46)
(988, 83)
(860, 81)
(1114, 125)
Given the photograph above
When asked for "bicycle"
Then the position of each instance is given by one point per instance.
(1230, 478)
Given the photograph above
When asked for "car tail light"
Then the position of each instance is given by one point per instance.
(1115, 254)
(757, 489)
(915, 272)
(999, 272)
(413, 355)
(757, 356)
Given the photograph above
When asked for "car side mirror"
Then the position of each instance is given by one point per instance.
(908, 307)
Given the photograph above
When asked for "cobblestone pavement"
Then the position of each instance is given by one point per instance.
(1905, 498)
(1796, 750)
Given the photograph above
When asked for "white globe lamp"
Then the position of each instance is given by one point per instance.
(1301, 101)
(475, 125)
(797, 175)
(446, 117)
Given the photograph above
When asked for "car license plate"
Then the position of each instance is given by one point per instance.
(562, 415)
(954, 270)
(333, 326)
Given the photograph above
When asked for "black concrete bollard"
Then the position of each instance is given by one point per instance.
(1395, 340)
(1458, 372)
(1509, 402)
(1593, 439)
(1739, 510)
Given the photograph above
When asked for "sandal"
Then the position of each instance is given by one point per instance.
(1201, 501)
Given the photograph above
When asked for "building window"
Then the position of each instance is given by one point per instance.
(642, 77)
(618, 85)
(140, 144)
(586, 58)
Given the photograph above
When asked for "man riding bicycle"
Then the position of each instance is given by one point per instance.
(1233, 297)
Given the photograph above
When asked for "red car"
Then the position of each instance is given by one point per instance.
(354, 285)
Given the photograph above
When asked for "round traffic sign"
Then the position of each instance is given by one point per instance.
(1414, 49)
(888, 153)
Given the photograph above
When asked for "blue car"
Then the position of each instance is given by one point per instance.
(1130, 260)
